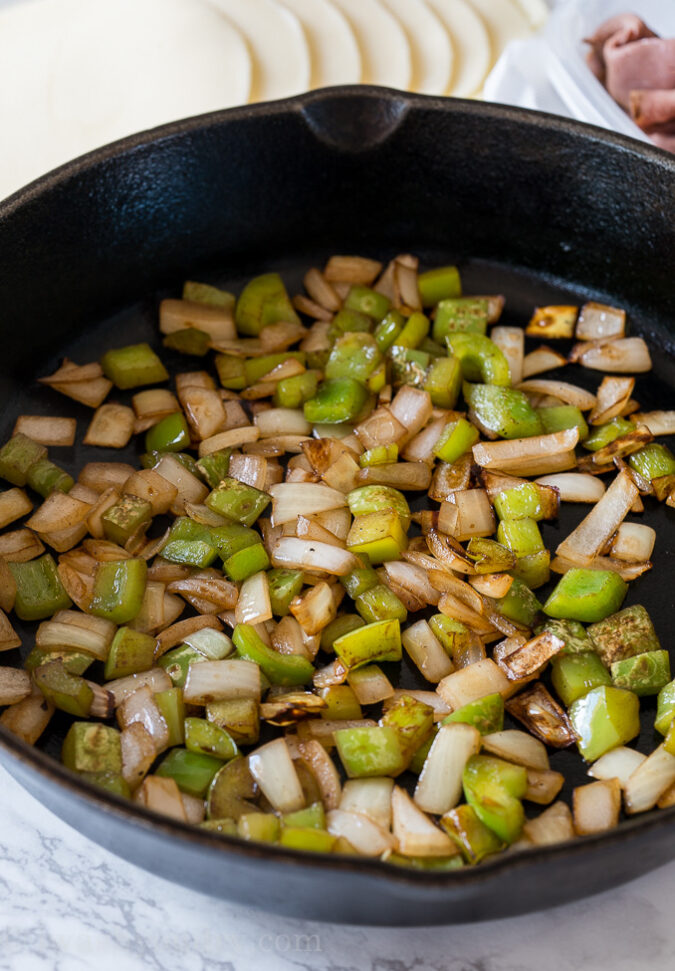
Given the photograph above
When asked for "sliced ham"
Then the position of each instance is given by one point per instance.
(624, 29)
(653, 111)
(646, 63)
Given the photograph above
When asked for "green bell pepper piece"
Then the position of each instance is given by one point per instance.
(68, 692)
(255, 368)
(420, 756)
(231, 372)
(380, 535)
(119, 587)
(190, 543)
(92, 747)
(574, 675)
(388, 330)
(18, 456)
(244, 563)
(408, 366)
(336, 628)
(380, 603)
(413, 722)
(347, 321)
(213, 468)
(192, 772)
(285, 669)
(480, 358)
(604, 718)
(486, 714)
(644, 674)
(522, 502)
(130, 652)
(223, 827)
(208, 294)
(521, 536)
(177, 661)
(263, 301)
(341, 702)
(170, 434)
(474, 839)
(172, 709)
(307, 838)
(435, 864)
(206, 737)
(189, 341)
(571, 632)
(460, 315)
(128, 517)
(489, 556)
(110, 781)
(259, 827)
(133, 366)
(359, 580)
(604, 434)
(456, 439)
(665, 708)
(373, 498)
(380, 455)
(439, 284)
(354, 355)
(380, 641)
(45, 477)
(503, 411)
(494, 788)
(653, 461)
(39, 591)
(294, 392)
(452, 633)
(336, 401)
(238, 717)
(75, 662)
(313, 816)
(283, 586)
(414, 331)
(237, 501)
(586, 595)
(444, 381)
(533, 569)
(370, 751)
(367, 301)
(519, 604)
(231, 790)
(557, 418)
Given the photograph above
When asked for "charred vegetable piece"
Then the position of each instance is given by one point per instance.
(283, 586)
(130, 652)
(231, 791)
(380, 535)
(75, 662)
(170, 434)
(18, 456)
(231, 372)
(541, 714)
(192, 772)
(604, 718)
(519, 604)
(133, 366)
(533, 569)
(574, 675)
(459, 642)
(189, 341)
(586, 595)
(486, 714)
(371, 751)
(502, 411)
(441, 283)
(559, 417)
(571, 632)
(336, 401)
(177, 661)
(92, 747)
(624, 634)
(474, 839)
(494, 788)
(206, 737)
(285, 669)
(39, 591)
(653, 461)
(255, 368)
(466, 314)
(413, 722)
(263, 301)
(238, 717)
(408, 366)
(119, 587)
(380, 641)
(190, 543)
(359, 580)
(237, 501)
(456, 438)
(69, 692)
(380, 603)
(645, 674)
(130, 516)
(375, 498)
(380, 455)
(602, 435)
(553, 322)
(480, 358)
(45, 477)
(490, 556)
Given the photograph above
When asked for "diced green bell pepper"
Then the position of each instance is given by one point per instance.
(571, 632)
(283, 586)
(130, 652)
(494, 788)
(313, 816)
(18, 456)
(481, 359)
(110, 781)
(337, 401)
(557, 418)
(259, 827)
(380, 641)
(586, 595)
(92, 747)
(489, 556)
(177, 661)
(415, 329)
(347, 321)
(244, 563)
(128, 517)
(231, 790)
(521, 536)
(439, 284)
(336, 628)
(44, 477)
(133, 366)
(460, 315)
(341, 703)
(213, 468)
(388, 330)
(474, 839)
(665, 708)
(294, 392)
(192, 772)
(208, 294)
(380, 455)
(170, 434)
(519, 604)
(172, 709)
(39, 591)
(653, 461)
(457, 438)
(380, 603)
(604, 718)
(370, 751)
(408, 366)
(644, 674)
(119, 587)
(533, 569)
(359, 580)
(373, 498)
(602, 435)
(188, 341)
(354, 355)
(238, 716)
(263, 301)
(503, 411)
(307, 838)
(367, 301)
(444, 381)
(237, 501)
(68, 692)
(486, 714)
(75, 662)
(522, 502)
(574, 675)
(231, 372)
(413, 722)
(378, 534)
(255, 368)
(285, 669)
(206, 737)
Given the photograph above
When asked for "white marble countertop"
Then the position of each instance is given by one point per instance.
(68, 905)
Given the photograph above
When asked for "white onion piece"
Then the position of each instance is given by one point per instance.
(599, 322)
(426, 697)
(627, 355)
(15, 685)
(649, 781)
(569, 393)
(596, 806)
(575, 486)
(413, 579)
(412, 408)
(416, 834)
(634, 542)
(291, 499)
(516, 746)
(543, 359)
(254, 605)
(538, 455)
(554, 825)
(161, 796)
(511, 342)
(426, 651)
(361, 831)
(658, 422)
(222, 681)
(590, 537)
(473, 682)
(324, 770)
(439, 787)
(156, 679)
(272, 768)
(369, 797)
(612, 397)
(619, 763)
(282, 421)
(301, 554)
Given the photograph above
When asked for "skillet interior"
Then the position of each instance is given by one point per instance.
(541, 210)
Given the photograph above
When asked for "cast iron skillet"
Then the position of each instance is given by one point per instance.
(535, 207)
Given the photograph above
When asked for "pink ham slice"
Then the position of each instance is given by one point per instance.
(653, 110)
(624, 29)
(646, 63)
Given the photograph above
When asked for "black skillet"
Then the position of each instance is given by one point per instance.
(541, 209)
